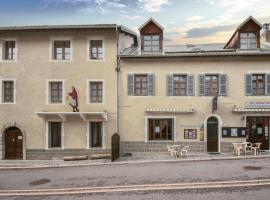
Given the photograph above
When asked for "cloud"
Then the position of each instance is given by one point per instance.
(153, 5)
(130, 17)
(194, 18)
(104, 6)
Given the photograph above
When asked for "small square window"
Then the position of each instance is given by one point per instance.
(9, 50)
(56, 92)
(8, 91)
(96, 49)
(96, 92)
(62, 50)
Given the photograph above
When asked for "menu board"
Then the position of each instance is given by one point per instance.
(237, 132)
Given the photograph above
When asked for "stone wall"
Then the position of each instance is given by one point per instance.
(137, 148)
(140, 148)
(41, 154)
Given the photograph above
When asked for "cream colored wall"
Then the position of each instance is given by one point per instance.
(132, 111)
(32, 70)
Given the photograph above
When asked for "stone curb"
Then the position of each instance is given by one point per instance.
(3, 167)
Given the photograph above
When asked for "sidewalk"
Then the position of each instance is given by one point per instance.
(28, 164)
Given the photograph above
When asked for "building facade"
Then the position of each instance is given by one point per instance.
(65, 90)
(39, 66)
(204, 96)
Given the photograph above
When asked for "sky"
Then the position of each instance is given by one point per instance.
(184, 21)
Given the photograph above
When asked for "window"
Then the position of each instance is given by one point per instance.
(9, 50)
(248, 40)
(62, 50)
(96, 134)
(8, 91)
(96, 92)
(179, 85)
(96, 49)
(160, 129)
(151, 43)
(55, 134)
(56, 91)
(258, 84)
(211, 85)
(141, 85)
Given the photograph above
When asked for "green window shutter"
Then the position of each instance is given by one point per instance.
(170, 85)
(130, 84)
(190, 85)
(267, 85)
(202, 84)
(151, 84)
(223, 85)
(248, 84)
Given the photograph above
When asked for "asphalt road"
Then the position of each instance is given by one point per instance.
(128, 174)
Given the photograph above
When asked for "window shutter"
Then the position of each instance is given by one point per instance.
(151, 84)
(248, 84)
(223, 85)
(202, 84)
(130, 84)
(267, 83)
(170, 85)
(190, 85)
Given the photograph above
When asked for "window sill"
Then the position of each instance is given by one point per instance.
(61, 61)
(9, 61)
(54, 148)
(95, 60)
(163, 141)
(261, 96)
(7, 103)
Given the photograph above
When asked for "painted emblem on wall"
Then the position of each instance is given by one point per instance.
(73, 99)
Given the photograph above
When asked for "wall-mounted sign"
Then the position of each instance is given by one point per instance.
(190, 133)
(257, 104)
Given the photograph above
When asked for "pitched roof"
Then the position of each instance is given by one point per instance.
(151, 20)
(66, 27)
(240, 26)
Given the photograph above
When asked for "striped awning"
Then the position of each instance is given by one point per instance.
(169, 110)
(251, 110)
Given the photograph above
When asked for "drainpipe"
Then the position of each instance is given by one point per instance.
(117, 83)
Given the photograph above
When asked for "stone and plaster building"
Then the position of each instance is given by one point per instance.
(206, 96)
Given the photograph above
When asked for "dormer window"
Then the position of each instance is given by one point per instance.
(151, 36)
(151, 43)
(248, 40)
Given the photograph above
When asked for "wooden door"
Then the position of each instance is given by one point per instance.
(258, 130)
(13, 143)
(212, 134)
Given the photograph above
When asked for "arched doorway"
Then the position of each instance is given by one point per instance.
(13, 139)
(212, 134)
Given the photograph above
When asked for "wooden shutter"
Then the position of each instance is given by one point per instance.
(223, 85)
(170, 85)
(190, 85)
(202, 84)
(130, 84)
(151, 84)
(267, 85)
(248, 84)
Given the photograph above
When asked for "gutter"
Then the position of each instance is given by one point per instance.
(117, 69)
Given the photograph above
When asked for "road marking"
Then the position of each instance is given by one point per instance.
(137, 188)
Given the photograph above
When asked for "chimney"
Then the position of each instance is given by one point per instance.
(266, 32)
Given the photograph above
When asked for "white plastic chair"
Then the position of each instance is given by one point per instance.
(185, 150)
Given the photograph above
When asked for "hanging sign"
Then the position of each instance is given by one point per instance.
(254, 104)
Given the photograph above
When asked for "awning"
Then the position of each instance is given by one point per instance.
(170, 110)
(251, 110)
(83, 115)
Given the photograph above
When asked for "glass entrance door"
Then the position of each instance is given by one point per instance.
(258, 130)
